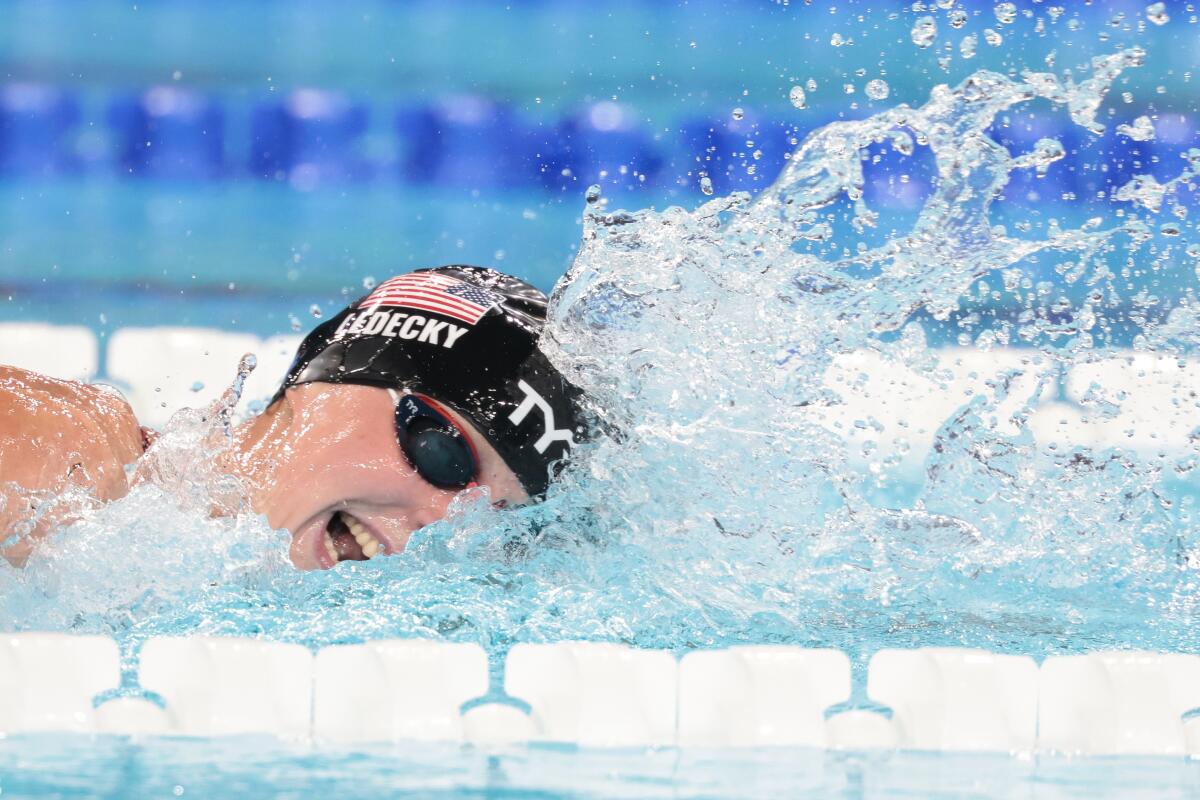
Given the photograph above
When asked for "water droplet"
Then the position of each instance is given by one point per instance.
(1142, 129)
(797, 97)
(197, 386)
(593, 194)
(877, 89)
(1157, 13)
(1006, 13)
(1046, 152)
(810, 85)
(968, 46)
(924, 31)
(315, 310)
(369, 282)
(692, 45)
(706, 185)
(1169, 229)
(848, 88)
(294, 321)
(739, 113)
(836, 40)
(1143, 190)
(993, 38)
(958, 18)
(1193, 250)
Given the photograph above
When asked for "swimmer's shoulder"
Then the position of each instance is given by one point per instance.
(54, 434)
(29, 398)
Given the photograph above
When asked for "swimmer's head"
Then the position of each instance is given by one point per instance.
(460, 339)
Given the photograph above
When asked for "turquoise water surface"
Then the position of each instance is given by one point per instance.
(716, 508)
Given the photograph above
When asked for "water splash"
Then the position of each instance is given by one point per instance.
(723, 503)
(711, 332)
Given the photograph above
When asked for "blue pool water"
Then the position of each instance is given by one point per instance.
(721, 511)
(84, 767)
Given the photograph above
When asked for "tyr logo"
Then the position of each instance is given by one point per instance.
(550, 434)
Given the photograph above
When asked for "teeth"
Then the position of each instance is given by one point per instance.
(329, 548)
(369, 544)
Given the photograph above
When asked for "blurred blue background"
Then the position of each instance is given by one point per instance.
(235, 164)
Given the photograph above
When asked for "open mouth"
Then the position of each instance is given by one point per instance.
(347, 539)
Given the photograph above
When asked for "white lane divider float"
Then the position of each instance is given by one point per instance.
(393, 690)
(955, 699)
(1144, 401)
(607, 695)
(595, 694)
(758, 696)
(68, 352)
(1120, 703)
(48, 680)
(228, 686)
(164, 369)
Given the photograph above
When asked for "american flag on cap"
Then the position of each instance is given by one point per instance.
(428, 291)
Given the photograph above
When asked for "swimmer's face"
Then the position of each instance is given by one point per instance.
(332, 473)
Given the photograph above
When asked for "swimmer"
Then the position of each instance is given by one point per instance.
(430, 385)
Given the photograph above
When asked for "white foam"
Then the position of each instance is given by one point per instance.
(1155, 400)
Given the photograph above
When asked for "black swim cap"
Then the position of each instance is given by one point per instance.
(467, 337)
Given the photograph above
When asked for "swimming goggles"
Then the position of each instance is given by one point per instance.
(436, 447)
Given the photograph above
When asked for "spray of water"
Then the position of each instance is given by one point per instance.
(722, 502)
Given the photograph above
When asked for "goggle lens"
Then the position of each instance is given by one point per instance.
(434, 445)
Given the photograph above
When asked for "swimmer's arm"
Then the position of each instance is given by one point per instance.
(54, 434)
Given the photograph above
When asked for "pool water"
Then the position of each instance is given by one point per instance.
(723, 511)
(718, 506)
(258, 768)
